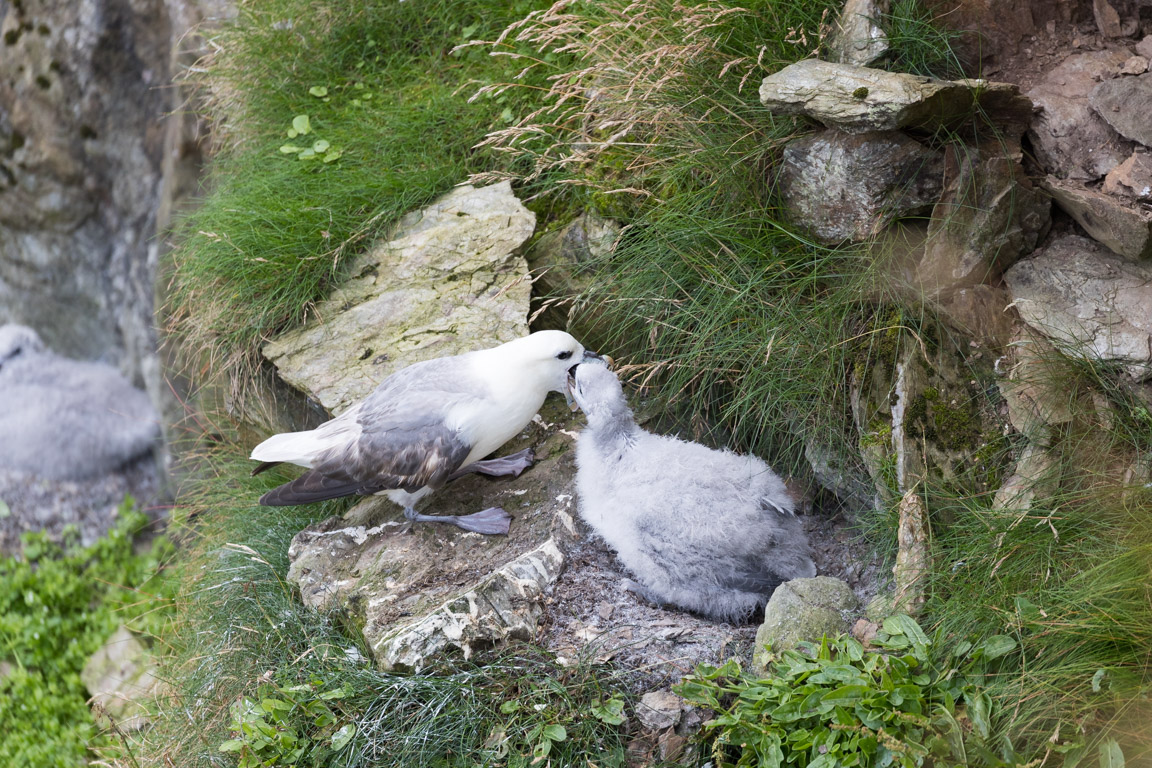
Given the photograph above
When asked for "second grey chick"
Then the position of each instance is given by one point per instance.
(708, 531)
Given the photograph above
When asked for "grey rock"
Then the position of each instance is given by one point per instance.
(980, 312)
(842, 473)
(857, 37)
(1124, 102)
(1137, 65)
(913, 563)
(860, 100)
(802, 610)
(1144, 47)
(1123, 226)
(449, 280)
(66, 419)
(659, 710)
(1116, 18)
(1029, 384)
(1078, 293)
(1071, 140)
(843, 186)
(119, 678)
(1132, 178)
(558, 261)
(989, 215)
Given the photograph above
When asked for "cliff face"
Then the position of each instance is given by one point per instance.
(94, 150)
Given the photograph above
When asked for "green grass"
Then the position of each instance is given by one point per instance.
(242, 632)
(273, 232)
(59, 603)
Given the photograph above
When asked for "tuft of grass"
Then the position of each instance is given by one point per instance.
(380, 87)
(242, 634)
(920, 41)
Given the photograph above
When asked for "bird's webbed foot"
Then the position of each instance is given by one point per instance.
(504, 466)
(492, 521)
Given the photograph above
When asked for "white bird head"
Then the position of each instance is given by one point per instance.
(542, 359)
(16, 340)
(598, 392)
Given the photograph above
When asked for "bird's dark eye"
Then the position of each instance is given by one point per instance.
(564, 355)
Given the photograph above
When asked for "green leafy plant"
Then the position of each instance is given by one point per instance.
(289, 725)
(58, 604)
(838, 704)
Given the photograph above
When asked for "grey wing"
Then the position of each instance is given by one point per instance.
(405, 440)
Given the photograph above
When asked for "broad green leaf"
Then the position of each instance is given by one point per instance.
(998, 645)
(333, 156)
(610, 711)
(1111, 755)
(301, 124)
(290, 149)
(306, 154)
(554, 732)
(232, 745)
(846, 695)
(341, 738)
(320, 145)
(335, 693)
(509, 706)
(1098, 679)
(319, 91)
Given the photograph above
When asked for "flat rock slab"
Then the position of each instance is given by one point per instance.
(1077, 292)
(1124, 102)
(848, 186)
(1122, 225)
(450, 280)
(418, 594)
(1070, 138)
(859, 99)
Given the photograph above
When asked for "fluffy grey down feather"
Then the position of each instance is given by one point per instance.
(66, 419)
(709, 531)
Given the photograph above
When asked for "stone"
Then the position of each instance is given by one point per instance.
(841, 472)
(979, 312)
(1032, 475)
(1137, 65)
(1078, 293)
(1124, 227)
(843, 186)
(857, 37)
(1070, 139)
(861, 100)
(449, 280)
(1029, 384)
(119, 678)
(659, 710)
(1132, 178)
(989, 215)
(1144, 47)
(558, 260)
(910, 572)
(1124, 103)
(802, 610)
(1116, 18)
(416, 596)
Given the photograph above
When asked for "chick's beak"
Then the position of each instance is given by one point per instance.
(589, 357)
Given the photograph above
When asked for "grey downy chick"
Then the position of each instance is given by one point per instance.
(708, 531)
(67, 419)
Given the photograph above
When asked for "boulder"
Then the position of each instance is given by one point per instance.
(557, 262)
(802, 610)
(1078, 293)
(120, 681)
(989, 215)
(1116, 18)
(857, 37)
(1070, 139)
(861, 100)
(1124, 227)
(449, 280)
(843, 186)
(1123, 102)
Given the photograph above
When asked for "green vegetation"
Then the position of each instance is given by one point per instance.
(376, 87)
(59, 603)
(837, 704)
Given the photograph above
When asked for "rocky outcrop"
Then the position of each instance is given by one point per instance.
(119, 678)
(1123, 103)
(859, 100)
(449, 280)
(1079, 293)
(857, 37)
(843, 186)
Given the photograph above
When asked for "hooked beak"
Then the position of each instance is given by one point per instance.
(589, 357)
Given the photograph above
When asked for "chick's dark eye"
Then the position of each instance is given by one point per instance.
(564, 355)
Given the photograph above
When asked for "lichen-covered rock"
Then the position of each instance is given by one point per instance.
(416, 595)
(802, 610)
(857, 37)
(843, 186)
(120, 681)
(557, 259)
(1070, 139)
(910, 572)
(1078, 293)
(860, 100)
(989, 215)
(450, 280)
